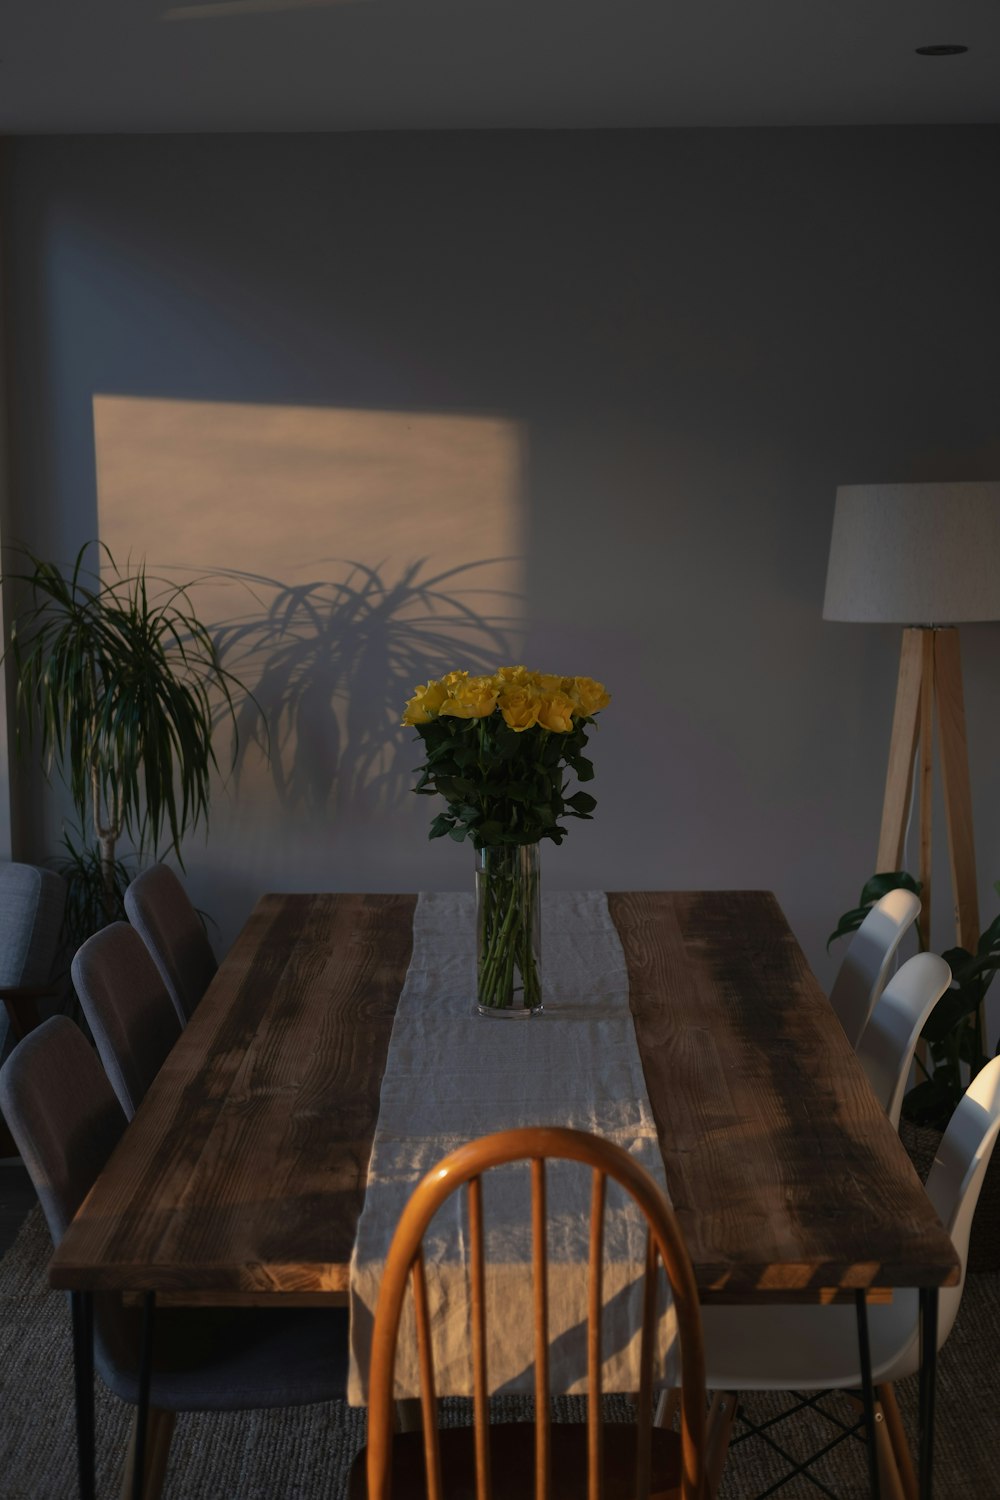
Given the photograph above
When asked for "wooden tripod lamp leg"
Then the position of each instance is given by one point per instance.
(902, 752)
(930, 671)
(956, 784)
(925, 801)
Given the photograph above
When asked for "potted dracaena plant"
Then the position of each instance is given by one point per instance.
(119, 685)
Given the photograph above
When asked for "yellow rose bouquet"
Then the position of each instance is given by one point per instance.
(501, 750)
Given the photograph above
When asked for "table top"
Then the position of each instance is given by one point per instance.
(243, 1173)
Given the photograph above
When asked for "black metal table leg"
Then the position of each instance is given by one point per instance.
(928, 1371)
(82, 1305)
(867, 1390)
(142, 1410)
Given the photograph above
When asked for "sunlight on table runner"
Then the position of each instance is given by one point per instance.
(452, 1075)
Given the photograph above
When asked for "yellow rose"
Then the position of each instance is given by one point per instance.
(516, 677)
(425, 703)
(471, 698)
(590, 695)
(550, 683)
(520, 706)
(556, 713)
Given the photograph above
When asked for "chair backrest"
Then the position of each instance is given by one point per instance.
(663, 1240)
(956, 1178)
(32, 901)
(868, 961)
(160, 911)
(63, 1115)
(128, 1010)
(889, 1040)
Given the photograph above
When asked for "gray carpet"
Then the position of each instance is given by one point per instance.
(304, 1454)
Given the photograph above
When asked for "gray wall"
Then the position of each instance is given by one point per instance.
(694, 337)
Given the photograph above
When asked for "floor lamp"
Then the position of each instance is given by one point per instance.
(925, 556)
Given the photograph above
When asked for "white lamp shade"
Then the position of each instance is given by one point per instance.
(915, 554)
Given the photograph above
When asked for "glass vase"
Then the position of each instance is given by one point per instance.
(508, 931)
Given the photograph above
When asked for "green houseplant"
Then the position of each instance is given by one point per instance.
(120, 686)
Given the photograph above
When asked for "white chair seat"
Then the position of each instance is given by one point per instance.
(794, 1347)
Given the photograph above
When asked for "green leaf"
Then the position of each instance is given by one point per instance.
(990, 938)
(849, 922)
(953, 1007)
(880, 885)
(873, 890)
(582, 803)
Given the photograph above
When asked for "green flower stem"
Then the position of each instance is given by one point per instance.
(507, 892)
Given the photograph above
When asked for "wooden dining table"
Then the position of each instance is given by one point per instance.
(242, 1177)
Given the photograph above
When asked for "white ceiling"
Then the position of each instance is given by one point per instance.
(236, 65)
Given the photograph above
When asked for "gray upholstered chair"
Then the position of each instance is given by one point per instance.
(159, 910)
(32, 902)
(66, 1121)
(127, 1008)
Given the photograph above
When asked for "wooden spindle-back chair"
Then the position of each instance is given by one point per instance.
(640, 1461)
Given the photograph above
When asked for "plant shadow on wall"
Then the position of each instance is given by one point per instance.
(330, 662)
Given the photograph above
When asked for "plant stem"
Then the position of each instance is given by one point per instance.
(107, 838)
(507, 882)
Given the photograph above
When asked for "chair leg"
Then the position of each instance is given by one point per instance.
(890, 1484)
(891, 1478)
(667, 1405)
(897, 1437)
(409, 1417)
(159, 1431)
(721, 1415)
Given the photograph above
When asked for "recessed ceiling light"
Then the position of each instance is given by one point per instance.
(941, 49)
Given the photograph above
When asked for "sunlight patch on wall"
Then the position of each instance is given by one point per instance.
(279, 490)
(351, 553)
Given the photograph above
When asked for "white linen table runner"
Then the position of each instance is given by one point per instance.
(452, 1075)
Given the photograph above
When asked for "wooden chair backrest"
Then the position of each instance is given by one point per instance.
(405, 1261)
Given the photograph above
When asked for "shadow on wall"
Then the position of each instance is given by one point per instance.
(331, 665)
(364, 550)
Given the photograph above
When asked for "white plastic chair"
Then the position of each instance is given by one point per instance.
(799, 1348)
(868, 961)
(890, 1037)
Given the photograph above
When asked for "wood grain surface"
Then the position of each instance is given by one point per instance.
(243, 1173)
(244, 1168)
(784, 1171)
